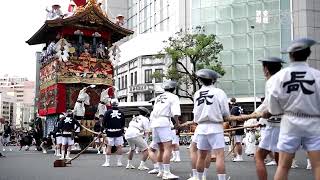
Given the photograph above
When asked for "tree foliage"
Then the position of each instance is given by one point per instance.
(189, 53)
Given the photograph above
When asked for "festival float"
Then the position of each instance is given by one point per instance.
(78, 53)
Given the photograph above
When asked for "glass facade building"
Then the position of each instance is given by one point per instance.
(232, 21)
(148, 15)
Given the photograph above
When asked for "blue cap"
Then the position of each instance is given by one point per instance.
(300, 44)
(272, 59)
(207, 74)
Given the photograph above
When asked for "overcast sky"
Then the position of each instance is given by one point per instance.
(20, 19)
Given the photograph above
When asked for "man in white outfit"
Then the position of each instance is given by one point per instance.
(175, 143)
(153, 147)
(194, 157)
(79, 109)
(166, 106)
(295, 93)
(210, 108)
(138, 127)
(270, 134)
(104, 100)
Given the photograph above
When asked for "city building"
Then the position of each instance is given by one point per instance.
(134, 79)
(7, 80)
(7, 107)
(153, 22)
(158, 15)
(18, 96)
(248, 30)
(306, 23)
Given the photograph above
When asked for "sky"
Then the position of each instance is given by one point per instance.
(19, 21)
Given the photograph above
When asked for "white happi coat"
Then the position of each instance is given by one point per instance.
(210, 106)
(138, 126)
(295, 93)
(264, 105)
(166, 105)
(79, 109)
(104, 97)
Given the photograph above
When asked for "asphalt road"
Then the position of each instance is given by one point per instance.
(33, 165)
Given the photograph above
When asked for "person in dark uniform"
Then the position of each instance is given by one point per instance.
(26, 140)
(38, 132)
(114, 123)
(57, 131)
(236, 110)
(69, 125)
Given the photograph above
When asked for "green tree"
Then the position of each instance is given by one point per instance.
(189, 53)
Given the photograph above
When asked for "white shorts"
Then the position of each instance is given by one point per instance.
(210, 141)
(67, 141)
(161, 134)
(115, 141)
(59, 140)
(269, 139)
(194, 138)
(290, 143)
(175, 137)
(137, 142)
(153, 145)
(238, 138)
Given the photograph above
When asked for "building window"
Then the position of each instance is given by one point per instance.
(119, 84)
(123, 99)
(148, 76)
(148, 96)
(131, 83)
(125, 81)
(134, 97)
(122, 82)
(159, 72)
(135, 77)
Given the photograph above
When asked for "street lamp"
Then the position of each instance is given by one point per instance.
(253, 71)
(262, 17)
